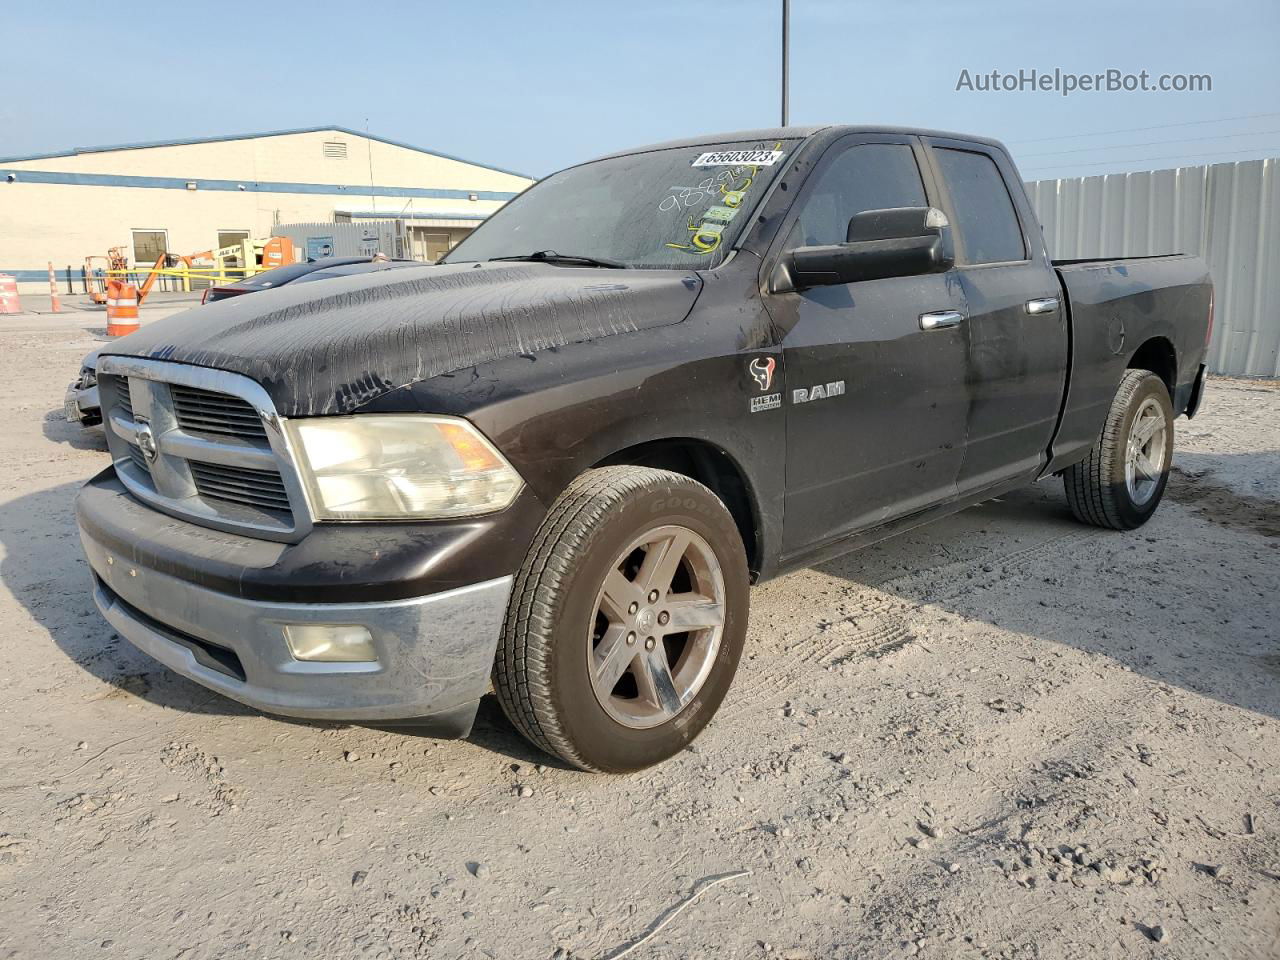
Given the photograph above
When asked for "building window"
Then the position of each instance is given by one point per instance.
(335, 149)
(149, 245)
(227, 238)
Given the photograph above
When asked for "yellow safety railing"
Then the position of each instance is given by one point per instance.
(186, 274)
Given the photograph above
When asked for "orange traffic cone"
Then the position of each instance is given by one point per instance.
(53, 291)
(122, 308)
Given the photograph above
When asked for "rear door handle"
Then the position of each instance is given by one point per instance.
(940, 319)
(1041, 305)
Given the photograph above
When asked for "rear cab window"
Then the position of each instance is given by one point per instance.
(986, 221)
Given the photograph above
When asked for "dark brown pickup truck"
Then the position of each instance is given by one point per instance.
(557, 461)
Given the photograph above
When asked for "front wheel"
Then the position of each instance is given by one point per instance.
(627, 620)
(1120, 483)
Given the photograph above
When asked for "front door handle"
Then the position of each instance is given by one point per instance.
(1041, 305)
(940, 319)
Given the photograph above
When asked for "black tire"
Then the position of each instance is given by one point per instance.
(542, 673)
(1096, 487)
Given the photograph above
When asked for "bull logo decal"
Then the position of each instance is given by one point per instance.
(762, 372)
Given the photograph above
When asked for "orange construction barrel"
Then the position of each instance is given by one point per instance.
(122, 308)
(9, 302)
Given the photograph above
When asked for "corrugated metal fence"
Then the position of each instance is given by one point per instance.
(1227, 213)
(314, 240)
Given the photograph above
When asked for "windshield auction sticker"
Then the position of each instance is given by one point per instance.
(729, 186)
(733, 158)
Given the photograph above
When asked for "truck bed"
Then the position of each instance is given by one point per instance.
(1119, 306)
(1084, 261)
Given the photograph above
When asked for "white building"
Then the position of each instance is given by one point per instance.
(186, 196)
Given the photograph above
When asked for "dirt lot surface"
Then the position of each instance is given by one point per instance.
(1005, 735)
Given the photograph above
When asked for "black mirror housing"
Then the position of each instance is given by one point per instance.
(895, 242)
(895, 223)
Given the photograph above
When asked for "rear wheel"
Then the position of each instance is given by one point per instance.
(1120, 483)
(627, 620)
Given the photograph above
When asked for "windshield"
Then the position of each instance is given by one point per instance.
(680, 207)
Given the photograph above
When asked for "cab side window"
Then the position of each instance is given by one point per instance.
(986, 220)
(870, 176)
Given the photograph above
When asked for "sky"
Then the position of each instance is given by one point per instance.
(536, 86)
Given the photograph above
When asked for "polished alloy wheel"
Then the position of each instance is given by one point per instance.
(658, 621)
(1144, 459)
(1121, 479)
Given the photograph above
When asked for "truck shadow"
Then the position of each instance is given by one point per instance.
(44, 568)
(1165, 600)
(57, 428)
(1021, 563)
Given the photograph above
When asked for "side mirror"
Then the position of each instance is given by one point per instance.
(895, 242)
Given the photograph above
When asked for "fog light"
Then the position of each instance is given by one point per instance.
(330, 642)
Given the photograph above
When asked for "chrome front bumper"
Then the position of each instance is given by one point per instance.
(80, 404)
(434, 653)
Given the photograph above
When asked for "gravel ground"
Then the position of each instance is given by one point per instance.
(1005, 735)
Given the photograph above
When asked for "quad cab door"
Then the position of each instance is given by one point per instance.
(1017, 323)
(875, 397)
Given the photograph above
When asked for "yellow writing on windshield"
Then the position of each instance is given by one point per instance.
(706, 232)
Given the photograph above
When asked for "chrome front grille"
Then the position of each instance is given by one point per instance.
(202, 444)
(263, 488)
(123, 402)
(124, 405)
(203, 411)
(139, 461)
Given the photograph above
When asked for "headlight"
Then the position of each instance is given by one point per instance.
(400, 466)
(88, 378)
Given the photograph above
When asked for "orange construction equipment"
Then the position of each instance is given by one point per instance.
(276, 252)
(117, 259)
(247, 257)
(9, 302)
(122, 308)
(238, 260)
(161, 262)
(92, 279)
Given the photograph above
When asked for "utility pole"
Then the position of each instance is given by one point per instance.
(786, 57)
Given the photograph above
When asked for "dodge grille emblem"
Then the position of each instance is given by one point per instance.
(147, 442)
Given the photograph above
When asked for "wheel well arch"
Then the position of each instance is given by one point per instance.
(709, 465)
(1157, 355)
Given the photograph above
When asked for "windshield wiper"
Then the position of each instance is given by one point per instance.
(550, 256)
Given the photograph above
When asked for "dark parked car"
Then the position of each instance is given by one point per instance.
(558, 460)
(294, 272)
(81, 403)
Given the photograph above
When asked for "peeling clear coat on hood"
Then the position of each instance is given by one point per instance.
(327, 348)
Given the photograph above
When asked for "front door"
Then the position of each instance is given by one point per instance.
(875, 404)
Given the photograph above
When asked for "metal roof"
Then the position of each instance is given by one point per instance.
(331, 128)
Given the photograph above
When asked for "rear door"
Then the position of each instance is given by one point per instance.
(1017, 324)
(875, 405)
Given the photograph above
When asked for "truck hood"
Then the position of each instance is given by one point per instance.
(327, 348)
